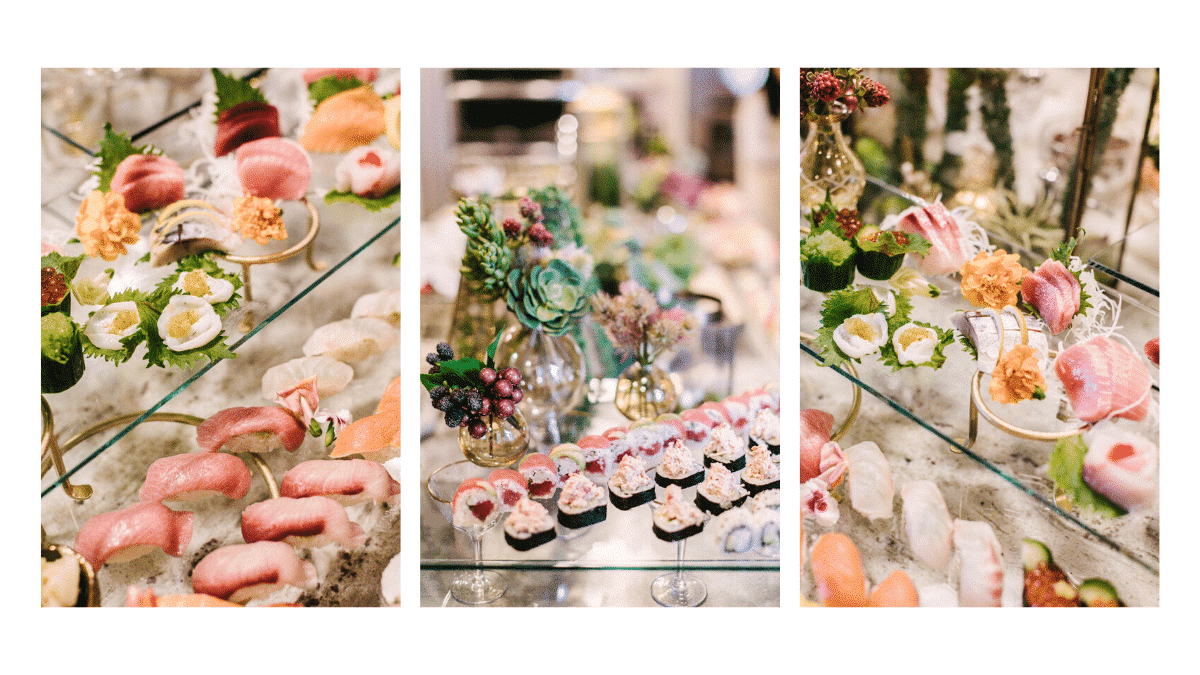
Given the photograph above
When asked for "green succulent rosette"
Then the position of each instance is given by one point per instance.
(548, 297)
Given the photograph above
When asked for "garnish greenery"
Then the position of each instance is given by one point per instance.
(839, 306)
(198, 261)
(69, 267)
(1066, 470)
(113, 150)
(232, 91)
(330, 85)
(888, 355)
(369, 203)
(147, 315)
(886, 242)
(1063, 253)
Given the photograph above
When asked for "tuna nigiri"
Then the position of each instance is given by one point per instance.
(304, 522)
(348, 482)
(345, 120)
(815, 429)
(1102, 379)
(194, 476)
(275, 168)
(254, 429)
(148, 182)
(1054, 292)
(837, 571)
(121, 536)
(243, 572)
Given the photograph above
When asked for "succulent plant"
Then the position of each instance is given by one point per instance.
(548, 297)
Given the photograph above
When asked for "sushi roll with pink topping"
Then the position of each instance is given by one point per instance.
(194, 476)
(761, 472)
(540, 474)
(647, 440)
(568, 460)
(677, 518)
(738, 414)
(528, 526)
(510, 487)
(582, 503)
(597, 457)
(678, 467)
(697, 426)
(720, 491)
(725, 447)
(629, 485)
(474, 504)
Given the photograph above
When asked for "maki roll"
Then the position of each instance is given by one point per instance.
(677, 518)
(734, 531)
(881, 253)
(646, 438)
(598, 461)
(678, 467)
(568, 460)
(720, 491)
(765, 524)
(767, 499)
(765, 431)
(762, 473)
(528, 526)
(581, 503)
(540, 474)
(697, 426)
(629, 485)
(474, 504)
(510, 487)
(62, 353)
(738, 413)
(725, 447)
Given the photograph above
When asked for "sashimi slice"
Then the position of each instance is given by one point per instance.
(1054, 292)
(121, 536)
(1122, 466)
(947, 250)
(815, 429)
(344, 121)
(253, 429)
(247, 121)
(145, 597)
(194, 476)
(367, 75)
(242, 572)
(348, 482)
(305, 522)
(274, 168)
(1102, 379)
(148, 182)
(838, 573)
(374, 433)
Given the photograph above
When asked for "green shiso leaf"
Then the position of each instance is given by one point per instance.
(826, 246)
(232, 91)
(839, 306)
(113, 150)
(885, 242)
(370, 204)
(330, 85)
(1066, 470)
(968, 346)
(68, 266)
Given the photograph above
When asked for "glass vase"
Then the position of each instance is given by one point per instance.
(553, 374)
(506, 441)
(645, 392)
(473, 323)
(828, 164)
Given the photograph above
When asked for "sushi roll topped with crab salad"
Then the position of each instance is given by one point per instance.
(725, 447)
(629, 485)
(765, 431)
(677, 518)
(581, 502)
(528, 526)
(720, 491)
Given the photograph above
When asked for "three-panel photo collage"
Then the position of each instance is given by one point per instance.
(659, 337)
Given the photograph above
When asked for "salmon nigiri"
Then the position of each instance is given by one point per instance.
(374, 433)
(344, 121)
(897, 590)
(243, 572)
(195, 475)
(139, 597)
(120, 536)
(837, 570)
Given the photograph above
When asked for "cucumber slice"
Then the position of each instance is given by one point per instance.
(1034, 552)
(1099, 593)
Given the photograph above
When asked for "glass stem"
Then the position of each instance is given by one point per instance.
(477, 543)
(677, 582)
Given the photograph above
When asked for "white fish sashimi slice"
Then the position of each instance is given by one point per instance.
(381, 305)
(870, 480)
(981, 564)
(332, 375)
(243, 572)
(351, 340)
(927, 523)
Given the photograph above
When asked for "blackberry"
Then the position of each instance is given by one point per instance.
(444, 351)
(438, 392)
(432, 359)
(474, 401)
(455, 417)
(443, 403)
(458, 397)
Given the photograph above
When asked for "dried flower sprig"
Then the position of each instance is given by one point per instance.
(637, 325)
(822, 89)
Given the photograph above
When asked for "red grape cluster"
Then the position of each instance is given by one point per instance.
(469, 407)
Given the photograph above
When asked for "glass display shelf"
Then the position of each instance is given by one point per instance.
(1126, 261)
(603, 564)
(349, 236)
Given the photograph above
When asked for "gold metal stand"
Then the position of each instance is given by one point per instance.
(856, 396)
(978, 405)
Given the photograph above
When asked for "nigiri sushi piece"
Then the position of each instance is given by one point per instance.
(345, 120)
(391, 396)
(194, 476)
(121, 536)
(1103, 379)
(368, 172)
(837, 570)
(1121, 465)
(274, 168)
(815, 429)
(332, 375)
(897, 590)
(243, 572)
(303, 522)
(148, 182)
(927, 523)
(981, 564)
(244, 122)
(948, 249)
(366, 75)
(145, 597)
(1054, 292)
(347, 481)
(475, 504)
(870, 481)
(381, 305)
(351, 340)
(510, 487)
(1151, 349)
(251, 429)
(371, 434)
(540, 473)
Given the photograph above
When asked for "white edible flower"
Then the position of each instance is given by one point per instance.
(861, 334)
(92, 291)
(914, 344)
(188, 322)
(202, 285)
(112, 323)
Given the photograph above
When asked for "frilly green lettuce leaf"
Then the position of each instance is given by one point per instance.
(1066, 470)
(370, 204)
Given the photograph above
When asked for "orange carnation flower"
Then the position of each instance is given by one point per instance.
(104, 225)
(1017, 377)
(992, 280)
(257, 218)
